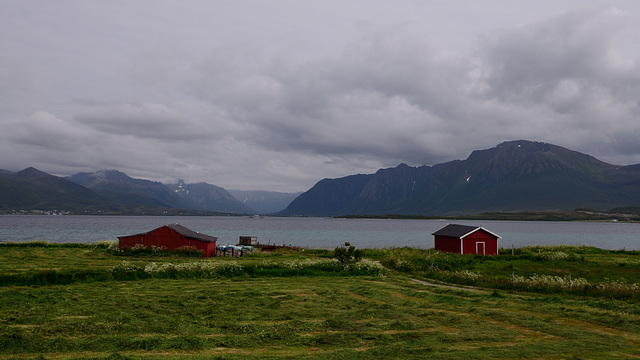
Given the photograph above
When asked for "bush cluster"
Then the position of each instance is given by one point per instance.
(155, 251)
(347, 255)
(213, 269)
(198, 269)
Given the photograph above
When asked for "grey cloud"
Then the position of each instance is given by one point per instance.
(528, 62)
(372, 100)
(196, 95)
(568, 69)
(45, 130)
(155, 121)
(395, 98)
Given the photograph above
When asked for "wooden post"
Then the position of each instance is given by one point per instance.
(569, 281)
(512, 249)
(513, 278)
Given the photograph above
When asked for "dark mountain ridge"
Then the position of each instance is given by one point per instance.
(513, 176)
(33, 189)
(119, 187)
(114, 192)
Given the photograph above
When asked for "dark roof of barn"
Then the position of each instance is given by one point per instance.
(460, 231)
(182, 231)
(190, 233)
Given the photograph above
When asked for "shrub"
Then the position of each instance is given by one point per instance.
(348, 254)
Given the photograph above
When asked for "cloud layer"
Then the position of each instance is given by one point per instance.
(248, 96)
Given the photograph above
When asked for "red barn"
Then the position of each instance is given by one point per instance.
(171, 237)
(463, 239)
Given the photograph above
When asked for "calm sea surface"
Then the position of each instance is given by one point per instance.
(318, 232)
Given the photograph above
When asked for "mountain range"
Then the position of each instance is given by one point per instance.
(114, 192)
(513, 176)
(33, 189)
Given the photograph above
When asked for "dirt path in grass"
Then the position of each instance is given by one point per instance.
(452, 287)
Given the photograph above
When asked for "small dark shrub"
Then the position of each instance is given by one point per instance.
(348, 254)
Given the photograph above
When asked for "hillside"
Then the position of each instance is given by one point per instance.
(513, 176)
(121, 188)
(33, 189)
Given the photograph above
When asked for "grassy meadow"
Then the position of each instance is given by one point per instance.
(88, 302)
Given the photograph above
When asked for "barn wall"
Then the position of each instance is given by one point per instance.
(170, 239)
(490, 243)
(130, 241)
(447, 244)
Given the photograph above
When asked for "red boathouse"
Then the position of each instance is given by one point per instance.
(463, 239)
(171, 237)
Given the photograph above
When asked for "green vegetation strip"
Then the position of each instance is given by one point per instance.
(315, 314)
(579, 270)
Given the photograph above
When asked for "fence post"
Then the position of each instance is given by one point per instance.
(513, 278)
(569, 281)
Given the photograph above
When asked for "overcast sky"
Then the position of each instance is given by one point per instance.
(278, 94)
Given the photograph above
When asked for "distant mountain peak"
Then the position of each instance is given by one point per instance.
(113, 175)
(521, 143)
(31, 172)
(515, 175)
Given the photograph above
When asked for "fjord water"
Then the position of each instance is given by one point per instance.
(321, 233)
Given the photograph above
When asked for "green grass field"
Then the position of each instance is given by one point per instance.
(285, 305)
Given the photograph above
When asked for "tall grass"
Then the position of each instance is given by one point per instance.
(155, 251)
(523, 269)
(214, 268)
(103, 244)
